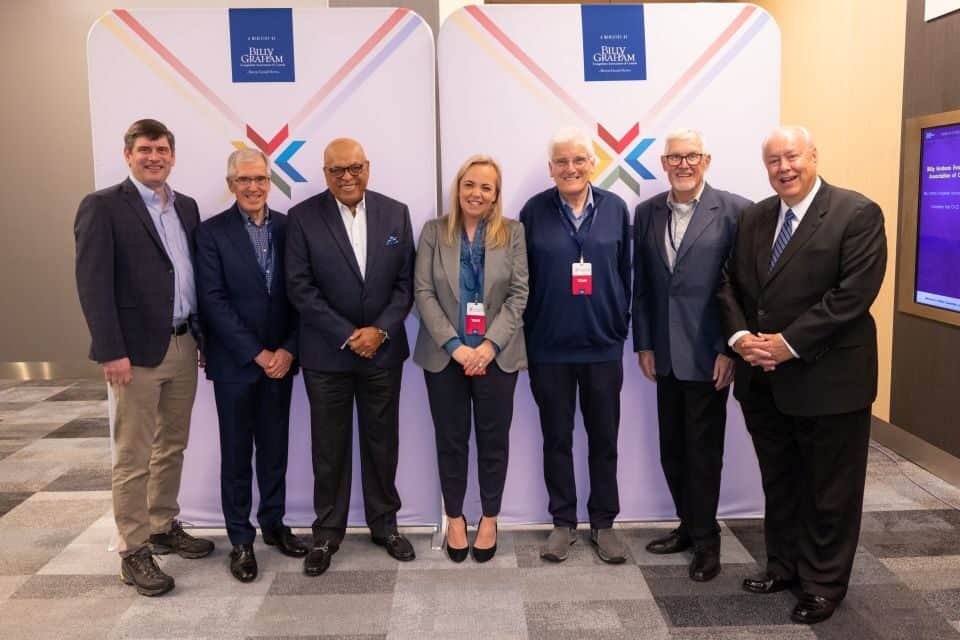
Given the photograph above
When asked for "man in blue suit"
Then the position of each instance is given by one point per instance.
(250, 351)
(681, 240)
(350, 275)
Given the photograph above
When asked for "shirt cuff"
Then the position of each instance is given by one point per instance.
(782, 337)
(452, 345)
(733, 339)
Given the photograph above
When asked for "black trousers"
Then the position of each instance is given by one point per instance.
(253, 415)
(376, 392)
(693, 418)
(555, 389)
(453, 395)
(813, 471)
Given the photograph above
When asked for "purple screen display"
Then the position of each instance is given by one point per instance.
(938, 236)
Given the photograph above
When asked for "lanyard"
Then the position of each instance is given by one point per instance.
(475, 250)
(579, 236)
(671, 226)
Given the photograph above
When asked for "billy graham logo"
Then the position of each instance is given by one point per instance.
(619, 55)
(261, 56)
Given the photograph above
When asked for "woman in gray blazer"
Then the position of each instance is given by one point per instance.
(470, 287)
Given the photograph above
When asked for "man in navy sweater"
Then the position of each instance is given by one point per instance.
(578, 247)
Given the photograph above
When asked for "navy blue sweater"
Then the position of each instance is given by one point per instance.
(561, 327)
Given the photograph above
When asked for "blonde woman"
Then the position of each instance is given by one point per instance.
(470, 287)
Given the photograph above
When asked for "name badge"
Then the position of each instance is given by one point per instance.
(476, 324)
(582, 280)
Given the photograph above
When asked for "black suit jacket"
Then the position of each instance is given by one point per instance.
(124, 277)
(818, 295)
(239, 316)
(325, 285)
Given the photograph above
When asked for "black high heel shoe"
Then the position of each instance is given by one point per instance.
(458, 555)
(482, 555)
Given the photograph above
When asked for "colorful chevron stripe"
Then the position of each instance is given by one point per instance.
(692, 82)
(345, 81)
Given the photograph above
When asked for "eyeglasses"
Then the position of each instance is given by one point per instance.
(693, 159)
(578, 163)
(354, 169)
(246, 181)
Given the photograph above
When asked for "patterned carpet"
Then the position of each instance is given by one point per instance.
(57, 579)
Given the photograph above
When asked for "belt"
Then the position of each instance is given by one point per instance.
(180, 329)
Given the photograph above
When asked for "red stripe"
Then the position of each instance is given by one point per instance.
(268, 147)
(178, 66)
(527, 61)
(348, 66)
(697, 65)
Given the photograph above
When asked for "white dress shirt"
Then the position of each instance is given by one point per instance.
(356, 227)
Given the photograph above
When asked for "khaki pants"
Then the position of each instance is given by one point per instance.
(150, 430)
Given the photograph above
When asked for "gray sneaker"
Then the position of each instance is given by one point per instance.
(610, 547)
(557, 544)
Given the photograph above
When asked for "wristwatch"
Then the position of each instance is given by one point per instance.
(383, 335)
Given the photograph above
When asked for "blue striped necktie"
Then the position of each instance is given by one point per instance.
(783, 238)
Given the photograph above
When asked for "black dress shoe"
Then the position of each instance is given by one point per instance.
(812, 609)
(318, 558)
(705, 565)
(674, 542)
(243, 564)
(285, 541)
(766, 583)
(454, 553)
(397, 546)
(483, 555)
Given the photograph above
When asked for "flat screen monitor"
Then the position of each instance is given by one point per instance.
(929, 269)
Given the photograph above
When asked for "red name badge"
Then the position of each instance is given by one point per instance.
(582, 279)
(476, 324)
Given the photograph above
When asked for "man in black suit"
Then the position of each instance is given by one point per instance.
(349, 274)
(806, 266)
(251, 342)
(135, 281)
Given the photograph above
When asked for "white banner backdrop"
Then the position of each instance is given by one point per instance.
(362, 73)
(511, 76)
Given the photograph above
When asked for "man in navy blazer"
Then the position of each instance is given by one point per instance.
(136, 286)
(681, 239)
(251, 331)
(350, 275)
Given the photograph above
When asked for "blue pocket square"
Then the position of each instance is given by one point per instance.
(392, 241)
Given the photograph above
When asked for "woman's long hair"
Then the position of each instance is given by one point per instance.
(496, 230)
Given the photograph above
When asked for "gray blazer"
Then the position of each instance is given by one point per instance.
(436, 287)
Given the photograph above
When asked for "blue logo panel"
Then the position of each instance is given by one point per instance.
(614, 45)
(261, 45)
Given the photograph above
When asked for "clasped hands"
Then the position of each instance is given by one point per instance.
(275, 364)
(764, 350)
(365, 341)
(475, 360)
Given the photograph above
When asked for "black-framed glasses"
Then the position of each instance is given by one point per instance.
(353, 169)
(693, 159)
(246, 181)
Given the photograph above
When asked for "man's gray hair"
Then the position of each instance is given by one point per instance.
(246, 155)
(789, 130)
(684, 134)
(571, 135)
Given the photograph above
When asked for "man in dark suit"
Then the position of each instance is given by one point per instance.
(251, 332)
(349, 274)
(134, 273)
(681, 239)
(806, 266)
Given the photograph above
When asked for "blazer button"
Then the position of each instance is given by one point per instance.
(761, 312)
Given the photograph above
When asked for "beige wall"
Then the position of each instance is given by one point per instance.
(842, 77)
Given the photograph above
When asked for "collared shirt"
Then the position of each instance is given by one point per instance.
(587, 209)
(680, 215)
(174, 240)
(356, 227)
(261, 236)
(799, 210)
